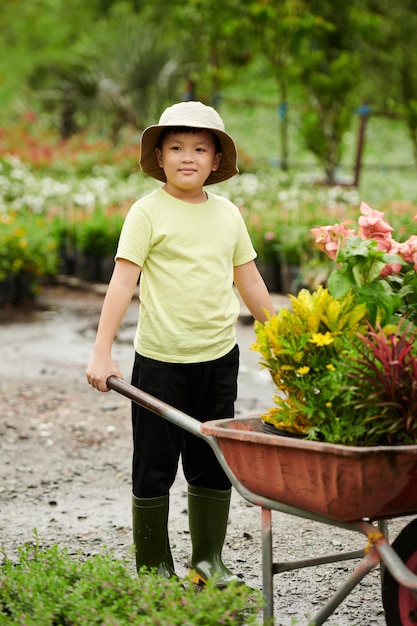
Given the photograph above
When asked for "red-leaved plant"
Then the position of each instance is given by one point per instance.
(386, 381)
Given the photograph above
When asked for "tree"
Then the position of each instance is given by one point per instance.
(276, 26)
(214, 38)
(121, 72)
(394, 57)
(330, 71)
(313, 51)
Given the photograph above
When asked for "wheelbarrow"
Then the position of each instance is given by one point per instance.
(353, 488)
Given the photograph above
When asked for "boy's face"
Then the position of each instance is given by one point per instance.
(188, 159)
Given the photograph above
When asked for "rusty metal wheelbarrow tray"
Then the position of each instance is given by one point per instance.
(339, 482)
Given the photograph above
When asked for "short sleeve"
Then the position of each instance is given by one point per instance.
(135, 236)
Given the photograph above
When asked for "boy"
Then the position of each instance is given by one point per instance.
(189, 246)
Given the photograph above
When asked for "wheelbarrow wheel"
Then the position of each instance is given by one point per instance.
(400, 603)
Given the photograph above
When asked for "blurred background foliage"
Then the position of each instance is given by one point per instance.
(110, 64)
(300, 85)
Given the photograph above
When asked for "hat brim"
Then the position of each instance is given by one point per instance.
(149, 162)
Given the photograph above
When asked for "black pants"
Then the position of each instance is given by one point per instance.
(205, 391)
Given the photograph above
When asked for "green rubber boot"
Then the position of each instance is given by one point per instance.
(150, 534)
(208, 513)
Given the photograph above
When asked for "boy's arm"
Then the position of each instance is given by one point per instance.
(253, 290)
(119, 294)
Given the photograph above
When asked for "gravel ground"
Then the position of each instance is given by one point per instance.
(65, 463)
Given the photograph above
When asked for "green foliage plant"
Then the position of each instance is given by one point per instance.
(360, 264)
(97, 234)
(47, 587)
(378, 269)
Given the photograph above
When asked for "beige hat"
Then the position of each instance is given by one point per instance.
(193, 115)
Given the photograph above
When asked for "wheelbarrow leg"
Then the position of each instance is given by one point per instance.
(267, 582)
(367, 563)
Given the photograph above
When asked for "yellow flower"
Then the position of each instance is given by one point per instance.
(330, 367)
(303, 370)
(321, 339)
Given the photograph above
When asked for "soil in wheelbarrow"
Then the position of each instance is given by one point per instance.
(65, 461)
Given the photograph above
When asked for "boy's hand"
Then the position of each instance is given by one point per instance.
(98, 372)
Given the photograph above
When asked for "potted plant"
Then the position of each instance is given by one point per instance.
(344, 359)
(295, 241)
(266, 243)
(96, 239)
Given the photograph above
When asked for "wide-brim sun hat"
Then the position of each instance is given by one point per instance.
(193, 115)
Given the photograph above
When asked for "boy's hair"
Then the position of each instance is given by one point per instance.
(189, 117)
(187, 129)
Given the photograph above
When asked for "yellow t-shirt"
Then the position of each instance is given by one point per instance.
(188, 308)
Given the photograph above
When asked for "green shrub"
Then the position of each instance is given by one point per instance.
(26, 245)
(98, 233)
(48, 587)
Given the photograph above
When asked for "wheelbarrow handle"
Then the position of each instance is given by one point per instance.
(156, 406)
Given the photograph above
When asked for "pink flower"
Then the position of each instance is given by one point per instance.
(372, 224)
(408, 250)
(390, 245)
(393, 247)
(329, 238)
(391, 268)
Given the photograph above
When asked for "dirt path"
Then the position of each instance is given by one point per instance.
(65, 462)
